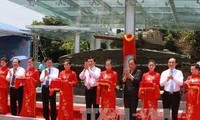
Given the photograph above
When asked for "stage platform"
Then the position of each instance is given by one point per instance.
(79, 111)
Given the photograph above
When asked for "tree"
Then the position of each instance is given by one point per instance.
(58, 43)
(51, 20)
(184, 41)
(170, 40)
(195, 47)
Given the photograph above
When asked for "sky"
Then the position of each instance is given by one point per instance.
(17, 15)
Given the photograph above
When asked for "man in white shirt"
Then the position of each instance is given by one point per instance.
(47, 75)
(90, 75)
(16, 94)
(172, 80)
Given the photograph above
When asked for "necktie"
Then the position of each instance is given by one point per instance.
(171, 89)
(13, 77)
(47, 81)
(88, 82)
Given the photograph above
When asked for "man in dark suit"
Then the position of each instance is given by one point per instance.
(131, 81)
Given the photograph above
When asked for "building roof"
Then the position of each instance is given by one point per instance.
(110, 13)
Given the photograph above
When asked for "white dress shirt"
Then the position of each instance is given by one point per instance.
(20, 72)
(91, 76)
(177, 81)
(53, 75)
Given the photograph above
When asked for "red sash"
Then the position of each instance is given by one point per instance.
(102, 84)
(196, 87)
(146, 87)
(54, 86)
(18, 82)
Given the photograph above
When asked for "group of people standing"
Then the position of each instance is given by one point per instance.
(21, 84)
(99, 90)
(147, 87)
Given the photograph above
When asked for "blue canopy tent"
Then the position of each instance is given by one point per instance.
(7, 30)
(14, 42)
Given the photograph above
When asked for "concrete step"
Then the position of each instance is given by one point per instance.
(119, 102)
(10, 117)
(80, 98)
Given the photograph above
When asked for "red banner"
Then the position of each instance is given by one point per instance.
(129, 48)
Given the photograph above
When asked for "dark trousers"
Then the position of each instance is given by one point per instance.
(131, 104)
(16, 98)
(171, 102)
(90, 98)
(45, 100)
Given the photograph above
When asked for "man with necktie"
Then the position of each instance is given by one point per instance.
(16, 93)
(90, 75)
(47, 75)
(172, 80)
